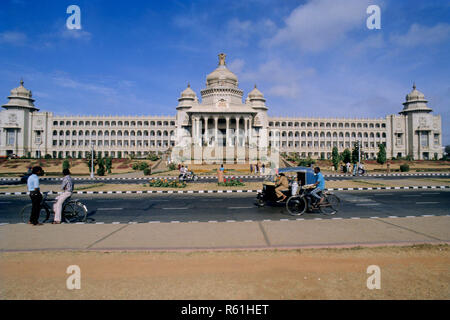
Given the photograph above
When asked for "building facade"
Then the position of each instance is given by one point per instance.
(221, 118)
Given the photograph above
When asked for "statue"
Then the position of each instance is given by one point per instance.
(222, 59)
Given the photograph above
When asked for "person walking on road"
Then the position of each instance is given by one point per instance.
(67, 188)
(35, 195)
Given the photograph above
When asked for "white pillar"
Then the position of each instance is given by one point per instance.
(216, 130)
(227, 119)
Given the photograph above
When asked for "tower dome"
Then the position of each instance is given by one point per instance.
(415, 102)
(221, 76)
(188, 93)
(20, 98)
(255, 94)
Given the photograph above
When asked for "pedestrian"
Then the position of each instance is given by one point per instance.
(67, 188)
(220, 173)
(35, 195)
(355, 169)
(263, 168)
(251, 168)
(256, 168)
(348, 167)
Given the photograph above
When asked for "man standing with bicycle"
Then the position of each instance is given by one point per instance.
(35, 195)
(67, 187)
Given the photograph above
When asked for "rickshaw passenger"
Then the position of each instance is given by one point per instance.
(320, 185)
(282, 185)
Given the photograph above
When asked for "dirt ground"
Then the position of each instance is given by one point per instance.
(417, 272)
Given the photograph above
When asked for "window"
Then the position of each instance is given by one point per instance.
(424, 139)
(436, 139)
(10, 137)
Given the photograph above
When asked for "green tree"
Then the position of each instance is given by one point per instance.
(381, 155)
(355, 153)
(88, 161)
(66, 164)
(335, 158)
(108, 164)
(119, 154)
(101, 167)
(346, 156)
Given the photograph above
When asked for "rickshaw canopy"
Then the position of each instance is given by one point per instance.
(304, 174)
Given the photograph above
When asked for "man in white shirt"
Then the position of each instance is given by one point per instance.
(35, 195)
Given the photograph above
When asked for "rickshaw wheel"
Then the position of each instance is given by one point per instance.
(296, 205)
(260, 202)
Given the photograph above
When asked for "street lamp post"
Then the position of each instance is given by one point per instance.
(92, 159)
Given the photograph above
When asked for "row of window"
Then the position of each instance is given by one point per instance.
(328, 134)
(327, 124)
(113, 123)
(118, 143)
(138, 133)
(316, 144)
(85, 154)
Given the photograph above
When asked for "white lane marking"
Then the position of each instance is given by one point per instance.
(427, 202)
(116, 223)
(426, 193)
(427, 215)
(374, 217)
(267, 220)
(99, 223)
(2, 224)
(154, 222)
(105, 209)
(367, 204)
(336, 218)
(174, 221)
(240, 207)
(392, 217)
(212, 221)
(300, 219)
(318, 219)
(410, 217)
(284, 219)
(355, 218)
(193, 221)
(248, 220)
(132, 222)
(183, 208)
(231, 221)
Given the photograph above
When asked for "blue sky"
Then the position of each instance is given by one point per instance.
(313, 58)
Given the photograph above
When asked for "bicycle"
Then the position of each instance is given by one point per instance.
(302, 202)
(72, 211)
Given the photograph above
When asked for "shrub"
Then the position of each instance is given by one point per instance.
(306, 162)
(47, 156)
(164, 183)
(66, 164)
(143, 165)
(172, 166)
(135, 166)
(147, 171)
(231, 183)
(404, 167)
(101, 167)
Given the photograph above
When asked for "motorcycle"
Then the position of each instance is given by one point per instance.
(188, 177)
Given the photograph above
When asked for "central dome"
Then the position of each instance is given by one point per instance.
(221, 77)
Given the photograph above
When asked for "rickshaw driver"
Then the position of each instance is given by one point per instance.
(282, 185)
(319, 186)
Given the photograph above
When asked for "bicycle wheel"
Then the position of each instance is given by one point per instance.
(74, 212)
(296, 205)
(25, 214)
(330, 204)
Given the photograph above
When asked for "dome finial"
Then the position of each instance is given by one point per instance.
(255, 85)
(189, 85)
(414, 85)
(222, 59)
(21, 82)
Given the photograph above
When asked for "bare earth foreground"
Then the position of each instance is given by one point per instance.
(414, 272)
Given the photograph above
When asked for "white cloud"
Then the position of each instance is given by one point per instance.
(236, 65)
(76, 34)
(13, 37)
(419, 35)
(320, 24)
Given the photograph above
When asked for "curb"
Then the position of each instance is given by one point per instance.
(243, 176)
(225, 191)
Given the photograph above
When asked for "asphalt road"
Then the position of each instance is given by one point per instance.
(46, 181)
(240, 207)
